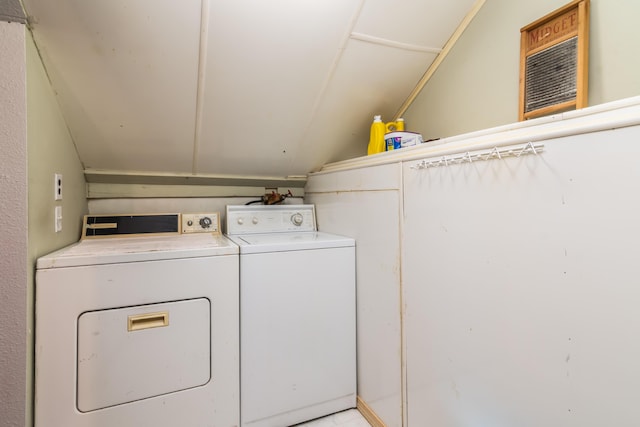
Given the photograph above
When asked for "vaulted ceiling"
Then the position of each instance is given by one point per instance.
(267, 88)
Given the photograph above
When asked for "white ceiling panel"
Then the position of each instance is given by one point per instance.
(376, 80)
(125, 72)
(427, 23)
(249, 88)
(267, 64)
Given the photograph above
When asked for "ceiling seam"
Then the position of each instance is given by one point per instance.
(440, 58)
(334, 65)
(200, 85)
(394, 44)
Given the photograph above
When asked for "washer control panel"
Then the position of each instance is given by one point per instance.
(248, 219)
(201, 223)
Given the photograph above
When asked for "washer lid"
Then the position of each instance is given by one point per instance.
(135, 249)
(279, 242)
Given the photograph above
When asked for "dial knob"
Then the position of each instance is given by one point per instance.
(254, 220)
(240, 221)
(189, 223)
(205, 222)
(297, 219)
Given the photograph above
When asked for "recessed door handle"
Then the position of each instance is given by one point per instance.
(139, 322)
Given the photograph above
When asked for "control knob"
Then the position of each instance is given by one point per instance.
(205, 222)
(297, 219)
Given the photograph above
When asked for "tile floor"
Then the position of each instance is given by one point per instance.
(348, 418)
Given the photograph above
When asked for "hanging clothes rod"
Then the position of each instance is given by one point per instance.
(480, 155)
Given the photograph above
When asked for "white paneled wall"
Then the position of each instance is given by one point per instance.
(365, 204)
(520, 287)
(518, 277)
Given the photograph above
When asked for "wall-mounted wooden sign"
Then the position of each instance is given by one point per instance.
(554, 53)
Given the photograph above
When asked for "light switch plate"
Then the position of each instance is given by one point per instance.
(57, 213)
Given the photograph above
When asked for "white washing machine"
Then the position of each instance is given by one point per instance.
(297, 316)
(137, 325)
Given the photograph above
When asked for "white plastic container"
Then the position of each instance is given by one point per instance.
(395, 140)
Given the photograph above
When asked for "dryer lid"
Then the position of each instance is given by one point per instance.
(135, 249)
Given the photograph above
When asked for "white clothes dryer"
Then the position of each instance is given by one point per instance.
(297, 316)
(139, 331)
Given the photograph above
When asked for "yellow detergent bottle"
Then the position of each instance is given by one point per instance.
(397, 126)
(376, 137)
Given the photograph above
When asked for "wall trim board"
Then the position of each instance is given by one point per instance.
(612, 115)
(11, 11)
(368, 413)
(99, 190)
(175, 178)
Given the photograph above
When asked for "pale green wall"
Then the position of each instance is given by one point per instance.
(50, 150)
(476, 87)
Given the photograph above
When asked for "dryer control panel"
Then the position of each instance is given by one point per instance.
(247, 219)
(128, 225)
(201, 223)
